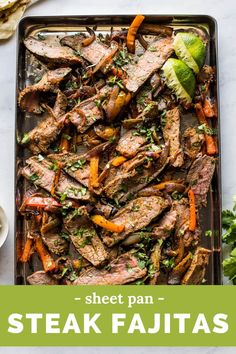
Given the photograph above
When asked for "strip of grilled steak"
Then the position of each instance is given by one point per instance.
(146, 175)
(44, 134)
(178, 272)
(77, 166)
(199, 177)
(60, 106)
(85, 114)
(196, 272)
(131, 177)
(129, 143)
(152, 60)
(84, 236)
(40, 174)
(182, 224)
(93, 53)
(41, 278)
(165, 225)
(137, 214)
(193, 142)
(125, 269)
(155, 258)
(55, 243)
(171, 133)
(51, 51)
(29, 97)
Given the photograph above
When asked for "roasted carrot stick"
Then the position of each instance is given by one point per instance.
(117, 161)
(106, 224)
(27, 251)
(133, 29)
(46, 258)
(208, 109)
(163, 185)
(210, 142)
(93, 177)
(192, 210)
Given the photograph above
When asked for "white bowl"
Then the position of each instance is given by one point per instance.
(4, 227)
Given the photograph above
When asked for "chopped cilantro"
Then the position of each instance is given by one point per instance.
(34, 177)
(208, 233)
(53, 166)
(66, 136)
(41, 37)
(25, 139)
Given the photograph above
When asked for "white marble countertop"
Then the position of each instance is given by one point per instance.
(225, 14)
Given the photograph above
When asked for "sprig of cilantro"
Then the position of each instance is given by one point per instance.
(229, 237)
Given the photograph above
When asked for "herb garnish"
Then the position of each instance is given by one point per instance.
(41, 37)
(25, 139)
(207, 130)
(34, 177)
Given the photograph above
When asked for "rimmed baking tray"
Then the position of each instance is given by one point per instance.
(210, 217)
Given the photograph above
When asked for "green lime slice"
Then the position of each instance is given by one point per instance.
(190, 49)
(180, 79)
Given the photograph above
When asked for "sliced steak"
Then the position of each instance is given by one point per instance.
(182, 224)
(137, 214)
(118, 179)
(131, 176)
(181, 207)
(152, 60)
(51, 51)
(171, 133)
(155, 259)
(29, 98)
(41, 278)
(60, 106)
(44, 134)
(75, 165)
(197, 269)
(84, 236)
(193, 142)
(165, 225)
(179, 270)
(85, 114)
(145, 176)
(125, 269)
(41, 174)
(55, 243)
(94, 53)
(129, 143)
(199, 178)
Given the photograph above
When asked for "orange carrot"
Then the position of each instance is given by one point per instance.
(27, 251)
(210, 142)
(133, 29)
(208, 109)
(106, 224)
(93, 177)
(46, 259)
(192, 210)
(117, 161)
(117, 72)
(163, 185)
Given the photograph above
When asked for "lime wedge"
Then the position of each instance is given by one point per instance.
(190, 49)
(180, 79)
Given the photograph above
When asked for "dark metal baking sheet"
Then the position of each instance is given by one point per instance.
(210, 217)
